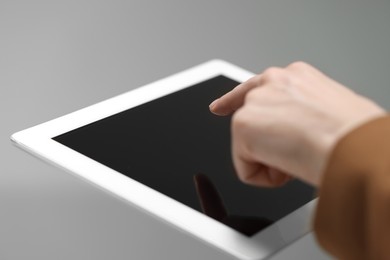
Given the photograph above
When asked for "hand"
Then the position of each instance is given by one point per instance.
(213, 206)
(286, 122)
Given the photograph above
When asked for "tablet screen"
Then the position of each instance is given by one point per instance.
(176, 146)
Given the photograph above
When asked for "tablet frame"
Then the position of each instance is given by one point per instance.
(38, 141)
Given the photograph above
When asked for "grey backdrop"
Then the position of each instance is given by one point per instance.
(59, 56)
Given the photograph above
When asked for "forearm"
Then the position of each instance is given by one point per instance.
(353, 215)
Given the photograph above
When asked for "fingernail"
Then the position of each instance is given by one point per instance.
(212, 105)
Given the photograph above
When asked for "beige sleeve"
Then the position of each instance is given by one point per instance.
(352, 220)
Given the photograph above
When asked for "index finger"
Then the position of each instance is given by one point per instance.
(234, 99)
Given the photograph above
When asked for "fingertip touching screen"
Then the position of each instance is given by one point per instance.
(176, 146)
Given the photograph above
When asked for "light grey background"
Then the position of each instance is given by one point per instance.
(59, 56)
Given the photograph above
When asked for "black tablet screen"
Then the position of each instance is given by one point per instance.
(177, 147)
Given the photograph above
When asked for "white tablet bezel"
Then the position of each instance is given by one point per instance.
(38, 141)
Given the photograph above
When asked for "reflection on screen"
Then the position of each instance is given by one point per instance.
(177, 147)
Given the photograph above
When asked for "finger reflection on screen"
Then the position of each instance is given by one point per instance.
(212, 205)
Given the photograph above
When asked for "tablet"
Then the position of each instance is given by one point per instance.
(159, 148)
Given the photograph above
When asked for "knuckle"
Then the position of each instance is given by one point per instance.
(272, 74)
(298, 65)
(276, 75)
